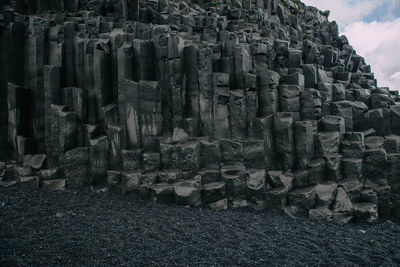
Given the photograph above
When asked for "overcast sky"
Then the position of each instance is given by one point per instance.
(373, 29)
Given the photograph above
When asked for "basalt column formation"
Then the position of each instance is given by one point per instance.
(221, 103)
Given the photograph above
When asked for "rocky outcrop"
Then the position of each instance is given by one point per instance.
(222, 103)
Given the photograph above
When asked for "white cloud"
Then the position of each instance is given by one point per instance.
(377, 41)
(379, 44)
(345, 12)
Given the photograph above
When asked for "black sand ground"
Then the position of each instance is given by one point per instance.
(103, 229)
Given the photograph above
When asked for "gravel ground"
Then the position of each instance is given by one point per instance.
(86, 228)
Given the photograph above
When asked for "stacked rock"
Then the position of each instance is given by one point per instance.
(224, 103)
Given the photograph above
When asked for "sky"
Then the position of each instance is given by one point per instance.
(373, 29)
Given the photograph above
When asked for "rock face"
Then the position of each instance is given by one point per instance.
(222, 103)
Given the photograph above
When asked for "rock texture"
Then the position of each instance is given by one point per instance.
(222, 103)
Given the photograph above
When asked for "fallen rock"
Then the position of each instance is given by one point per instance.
(366, 212)
(325, 194)
(162, 193)
(304, 198)
(58, 184)
(29, 182)
(214, 192)
(188, 192)
(342, 208)
(36, 161)
(320, 214)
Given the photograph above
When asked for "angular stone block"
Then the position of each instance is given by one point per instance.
(277, 179)
(214, 192)
(333, 124)
(232, 151)
(304, 143)
(253, 153)
(366, 212)
(29, 182)
(131, 160)
(169, 176)
(36, 162)
(210, 154)
(333, 167)
(343, 208)
(98, 161)
(151, 162)
(58, 184)
(188, 192)
(130, 182)
(284, 141)
(114, 181)
(327, 143)
(316, 171)
(235, 178)
(304, 198)
(325, 194)
(352, 168)
(162, 193)
(75, 167)
(117, 142)
(256, 185)
(376, 166)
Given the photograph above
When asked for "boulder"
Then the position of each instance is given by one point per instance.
(376, 166)
(114, 181)
(278, 179)
(219, 205)
(253, 154)
(235, 177)
(29, 182)
(130, 182)
(35, 161)
(333, 124)
(75, 167)
(256, 184)
(214, 192)
(188, 192)
(169, 176)
(131, 160)
(320, 214)
(352, 168)
(325, 194)
(98, 161)
(180, 136)
(151, 162)
(58, 184)
(162, 193)
(304, 198)
(210, 154)
(342, 208)
(327, 143)
(366, 212)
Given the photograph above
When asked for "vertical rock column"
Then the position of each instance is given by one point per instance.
(284, 141)
(4, 38)
(128, 104)
(191, 84)
(174, 79)
(51, 77)
(20, 121)
(102, 93)
(268, 82)
(150, 114)
(221, 119)
(34, 61)
(206, 90)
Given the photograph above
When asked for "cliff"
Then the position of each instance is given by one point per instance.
(223, 103)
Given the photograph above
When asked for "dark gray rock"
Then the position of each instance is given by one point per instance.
(75, 167)
(188, 192)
